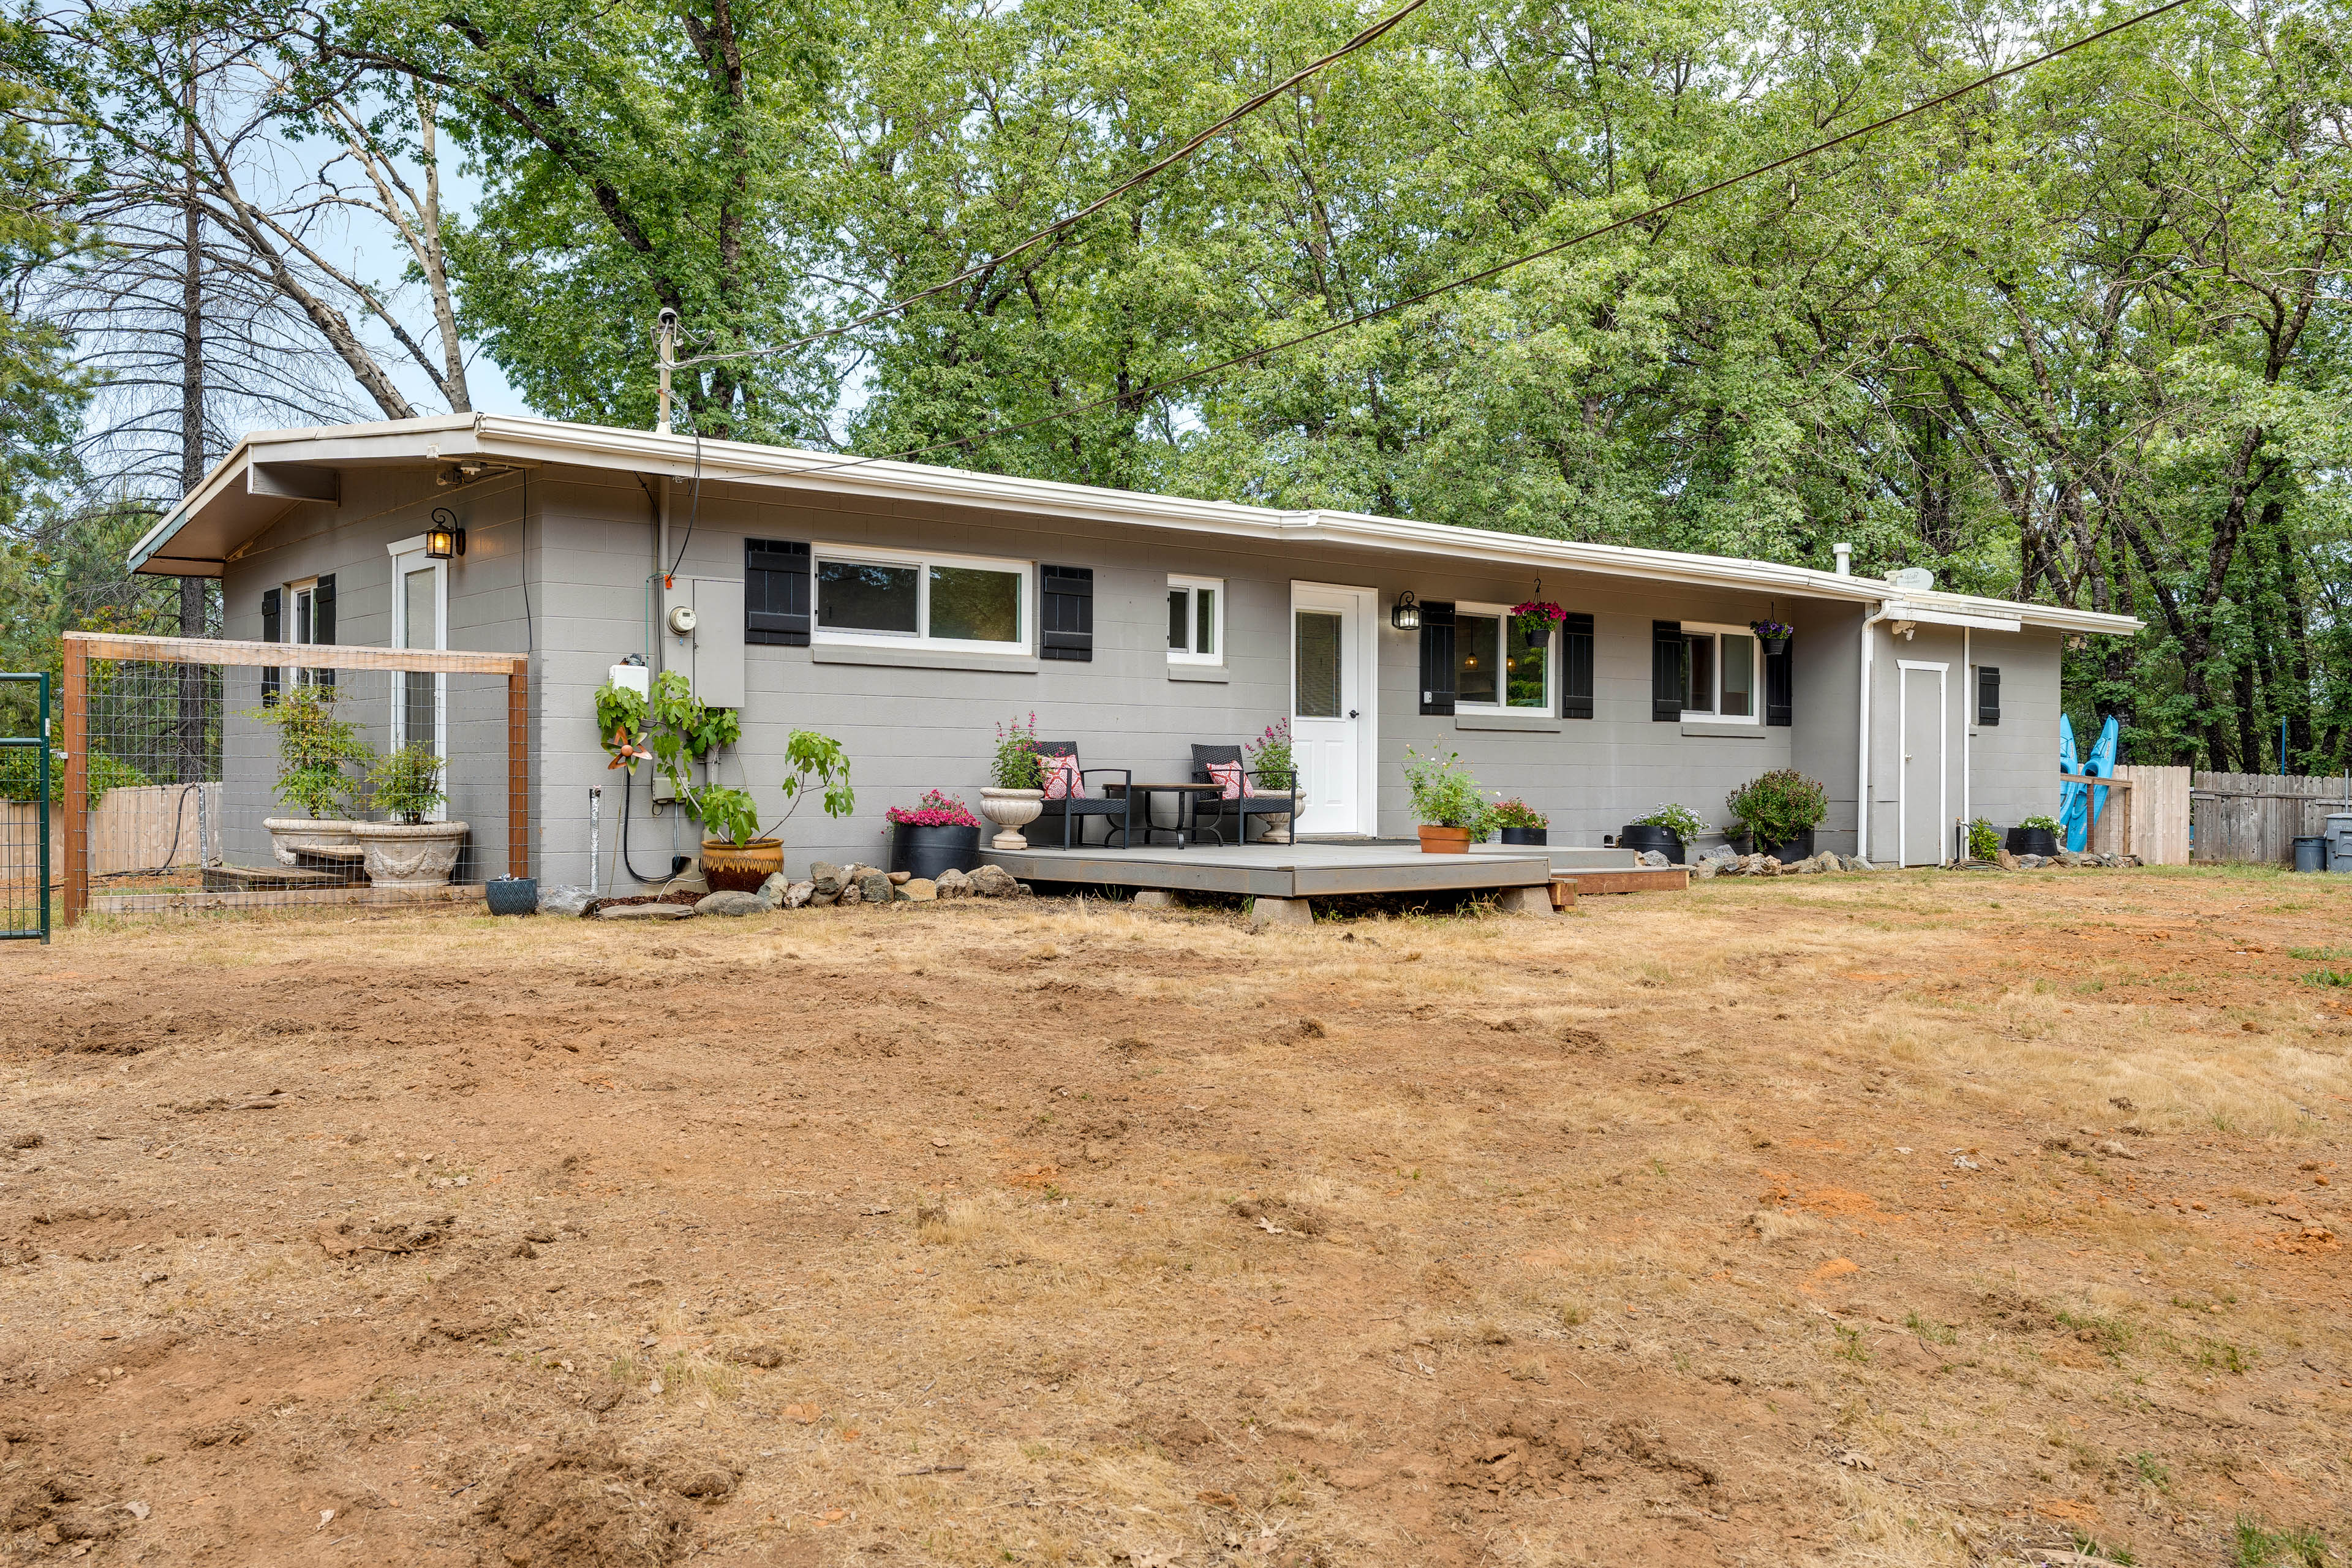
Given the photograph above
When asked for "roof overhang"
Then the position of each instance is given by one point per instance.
(274, 473)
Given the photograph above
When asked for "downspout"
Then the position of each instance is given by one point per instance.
(1967, 679)
(1861, 759)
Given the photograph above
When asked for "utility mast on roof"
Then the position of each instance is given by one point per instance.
(666, 339)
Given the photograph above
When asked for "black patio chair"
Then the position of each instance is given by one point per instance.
(1215, 809)
(1122, 806)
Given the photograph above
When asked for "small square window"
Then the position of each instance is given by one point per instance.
(1722, 675)
(1196, 631)
(1500, 662)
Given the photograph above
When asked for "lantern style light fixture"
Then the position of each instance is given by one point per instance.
(1406, 617)
(443, 541)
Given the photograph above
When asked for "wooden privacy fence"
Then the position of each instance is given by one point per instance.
(2155, 813)
(2255, 819)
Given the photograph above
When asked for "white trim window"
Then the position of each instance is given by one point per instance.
(1723, 674)
(1499, 667)
(1196, 620)
(893, 598)
(420, 619)
(299, 624)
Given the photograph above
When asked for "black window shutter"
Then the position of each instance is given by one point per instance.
(269, 624)
(1780, 685)
(1576, 668)
(322, 622)
(1068, 617)
(1437, 659)
(1988, 694)
(1666, 672)
(776, 592)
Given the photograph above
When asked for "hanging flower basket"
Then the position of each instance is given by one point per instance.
(1773, 634)
(1536, 618)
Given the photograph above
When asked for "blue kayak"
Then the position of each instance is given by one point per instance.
(2070, 796)
(2102, 761)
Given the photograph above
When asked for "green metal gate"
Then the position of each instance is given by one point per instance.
(25, 818)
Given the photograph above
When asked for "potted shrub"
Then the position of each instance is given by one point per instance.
(1984, 840)
(1015, 797)
(1774, 813)
(1275, 770)
(406, 849)
(940, 834)
(1520, 822)
(1668, 830)
(1446, 802)
(2035, 836)
(314, 747)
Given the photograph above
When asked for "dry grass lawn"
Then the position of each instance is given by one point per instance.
(1876, 1220)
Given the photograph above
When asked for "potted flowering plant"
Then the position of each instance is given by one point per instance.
(2034, 836)
(940, 834)
(1520, 822)
(1015, 797)
(1274, 767)
(1667, 830)
(1453, 813)
(1773, 634)
(1537, 618)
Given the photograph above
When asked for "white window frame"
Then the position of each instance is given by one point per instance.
(1756, 672)
(1190, 587)
(1502, 612)
(408, 556)
(1024, 574)
(288, 619)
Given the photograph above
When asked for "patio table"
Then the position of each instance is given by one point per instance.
(1187, 797)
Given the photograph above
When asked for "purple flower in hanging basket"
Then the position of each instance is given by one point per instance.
(1781, 629)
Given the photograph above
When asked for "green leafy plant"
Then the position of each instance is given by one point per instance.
(1774, 807)
(1681, 820)
(20, 777)
(314, 747)
(1444, 793)
(812, 762)
(729, 815)
(1272, 761)
(1014, 766)
(1516, 813)
(2046, 823)
(1984, 840)
(406, 784)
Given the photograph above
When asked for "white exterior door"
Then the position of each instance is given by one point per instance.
(1925, 820)
(1332, 721)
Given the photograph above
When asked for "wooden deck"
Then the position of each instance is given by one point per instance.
(1280, 871)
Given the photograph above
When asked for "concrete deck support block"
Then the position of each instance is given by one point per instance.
(1154, 899)
(1533, 901)
(1264, 912)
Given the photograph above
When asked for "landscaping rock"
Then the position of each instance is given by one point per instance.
(850, 895)
(817, 900)
(993, 882)
(901, 878)
(1705, 870)
(735, 906)
(1651, 860)
(2067, 857)
(647, 912)
(2006, 861)
(773, 889)
(919, 890)
(874, 887)
(1718, 852)
(2030, 862)
(954, 884)
(797, 896)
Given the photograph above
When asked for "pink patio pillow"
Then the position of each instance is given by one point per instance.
(1227, 777)
(1060, 777)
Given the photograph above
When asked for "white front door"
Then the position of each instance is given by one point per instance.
(1924, 823)
(1332, 720)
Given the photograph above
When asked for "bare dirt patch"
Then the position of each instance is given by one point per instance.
(1899, 1219)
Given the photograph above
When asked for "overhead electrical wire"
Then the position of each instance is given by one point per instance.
(1240, 111)
(1203, 372)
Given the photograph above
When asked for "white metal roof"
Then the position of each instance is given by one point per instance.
(273, 472)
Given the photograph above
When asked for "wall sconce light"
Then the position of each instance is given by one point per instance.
(443, 541)
(1406, 617)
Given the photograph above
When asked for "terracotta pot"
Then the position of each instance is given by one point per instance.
(410, 854)
(1443, 840)
(730, 867)
(1012, 810)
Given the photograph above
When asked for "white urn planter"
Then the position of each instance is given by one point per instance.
(410, 854)
(291, 837)
(1012, 810)
(1278, 828)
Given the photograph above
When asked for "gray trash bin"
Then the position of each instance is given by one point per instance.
(2339, 840)
(2311, 854)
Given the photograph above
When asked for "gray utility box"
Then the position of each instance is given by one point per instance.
(2339, 840)
(710, 654)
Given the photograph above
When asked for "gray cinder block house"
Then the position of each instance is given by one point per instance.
(907, 610)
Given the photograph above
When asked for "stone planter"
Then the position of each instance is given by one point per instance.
(410, 854)
(1278, 828)
(1437, 840)
(293, 838)
(1012, 810)
(730, 867)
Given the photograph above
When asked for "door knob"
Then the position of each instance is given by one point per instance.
(1351, 713)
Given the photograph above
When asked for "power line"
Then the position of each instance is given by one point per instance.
(1502, 267)
(1240, 111)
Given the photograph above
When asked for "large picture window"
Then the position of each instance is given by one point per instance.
(1196, 624)
(1723, 675)
(1500, 664)
(948, 602)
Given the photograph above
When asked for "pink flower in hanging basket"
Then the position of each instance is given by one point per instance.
(1538, 614)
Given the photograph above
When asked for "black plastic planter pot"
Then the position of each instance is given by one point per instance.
(2032, 841)
(513, 895)
(1664, 840)
(1800, 848)
(1527, 835)
(927, 851)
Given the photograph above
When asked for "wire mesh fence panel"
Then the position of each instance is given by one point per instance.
(205, 783)
(26, 793)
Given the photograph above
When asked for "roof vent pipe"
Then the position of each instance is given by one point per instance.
(1844, 559)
